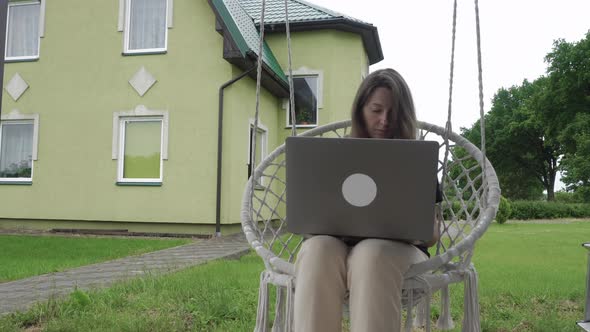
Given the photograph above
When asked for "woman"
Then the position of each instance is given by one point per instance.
(371, 270)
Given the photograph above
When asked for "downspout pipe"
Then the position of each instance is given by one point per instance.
(220, 147)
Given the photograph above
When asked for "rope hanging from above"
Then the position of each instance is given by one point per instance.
(291, 106)
(448, 126)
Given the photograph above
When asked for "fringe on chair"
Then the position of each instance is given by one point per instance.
(421, 313)
(280, 321)
(410, 306)
(422, 318)
(445, 321)
(289, 307)
(263, 299)
(471, 302)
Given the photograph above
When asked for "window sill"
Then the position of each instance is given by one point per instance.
(139, 184)
(302, 126)
(144, 53)
(21, 60)
(17, 183)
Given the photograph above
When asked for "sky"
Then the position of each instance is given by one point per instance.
(516, 35)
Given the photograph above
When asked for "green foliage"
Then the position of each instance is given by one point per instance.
(80, 298)
(567, 109)
(17, 170)
(568, 197)
(458, 211)
(548, 210)
(524, 157)
(504, 210)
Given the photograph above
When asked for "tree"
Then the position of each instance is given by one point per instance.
(524, 158)
(567, 110)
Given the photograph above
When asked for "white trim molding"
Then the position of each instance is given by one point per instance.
(42, 19)
(140, 111)
(263, 150)
(305, 71)
(170, 13)
(121, 20)
(16, 115)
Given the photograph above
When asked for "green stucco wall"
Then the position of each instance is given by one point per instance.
(240, 107)
(81, 79)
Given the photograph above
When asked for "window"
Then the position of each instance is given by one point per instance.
(261, 142)
(140, 144)
(146, 26)
(306, 101)
(140, 158)
(22, 33)
(16, 150)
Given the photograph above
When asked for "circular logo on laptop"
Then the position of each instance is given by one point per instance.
(359, 190)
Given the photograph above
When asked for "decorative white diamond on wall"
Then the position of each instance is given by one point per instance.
(142, 81)
(16, 86)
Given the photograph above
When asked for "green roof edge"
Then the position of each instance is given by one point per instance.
(236, 34)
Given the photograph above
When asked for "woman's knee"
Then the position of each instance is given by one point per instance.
(324, 246)
(321, 254)
(376, 252)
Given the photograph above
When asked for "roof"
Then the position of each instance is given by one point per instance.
(298, 11)
(245, 34)
(304, 15)
(239, 18)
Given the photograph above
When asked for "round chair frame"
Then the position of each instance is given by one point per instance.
(470, 202)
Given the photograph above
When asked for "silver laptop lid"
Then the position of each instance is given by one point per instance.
(379, 188)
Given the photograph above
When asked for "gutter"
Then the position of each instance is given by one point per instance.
(220, 147)
(366, 30)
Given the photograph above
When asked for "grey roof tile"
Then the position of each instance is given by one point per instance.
(299, 11)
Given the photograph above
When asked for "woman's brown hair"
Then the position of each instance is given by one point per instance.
(405, 124)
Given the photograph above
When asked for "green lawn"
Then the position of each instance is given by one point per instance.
(23, 256)
(532, 278)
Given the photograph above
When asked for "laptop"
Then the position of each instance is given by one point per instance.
(369, 188)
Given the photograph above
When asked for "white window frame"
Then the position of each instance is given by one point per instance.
(263, 149)
(15, 117)
(41, 32)
(140, 113)
(124, 22)
(307, 72)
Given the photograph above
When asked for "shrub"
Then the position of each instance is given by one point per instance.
(504, 210)
(548, 210)
(567, 197)
(458, 211)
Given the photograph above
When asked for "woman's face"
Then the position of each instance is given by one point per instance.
(380, 113)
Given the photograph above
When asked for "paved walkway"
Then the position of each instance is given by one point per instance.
(22, 294)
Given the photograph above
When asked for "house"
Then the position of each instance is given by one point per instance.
(112, 112)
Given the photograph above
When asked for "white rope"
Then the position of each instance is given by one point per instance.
(291, 87)
(481, 111)
(258, 81)
(448, 126)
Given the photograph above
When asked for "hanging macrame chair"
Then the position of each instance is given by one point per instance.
(471, 195)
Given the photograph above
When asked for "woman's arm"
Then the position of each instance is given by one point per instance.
(436, 230)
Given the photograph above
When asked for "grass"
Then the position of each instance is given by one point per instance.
(532, 278)
(24, 255)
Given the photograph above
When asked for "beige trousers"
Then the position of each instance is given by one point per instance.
(372, 271)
